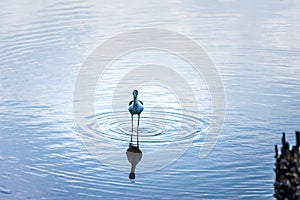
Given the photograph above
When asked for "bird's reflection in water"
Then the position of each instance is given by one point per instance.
(134, 155)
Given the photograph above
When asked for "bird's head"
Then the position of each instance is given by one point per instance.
(135, 93)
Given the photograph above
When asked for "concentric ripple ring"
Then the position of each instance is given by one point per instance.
(110, 50)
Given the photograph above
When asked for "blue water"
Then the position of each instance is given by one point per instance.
(254, 46)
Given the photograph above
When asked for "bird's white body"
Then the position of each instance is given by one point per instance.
(136, 107)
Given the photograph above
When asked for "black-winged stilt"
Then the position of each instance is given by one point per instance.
(135, 107)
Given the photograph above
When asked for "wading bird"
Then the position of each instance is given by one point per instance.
(135, 107)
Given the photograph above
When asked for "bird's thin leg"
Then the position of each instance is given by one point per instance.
(131, 129)
(137, 132)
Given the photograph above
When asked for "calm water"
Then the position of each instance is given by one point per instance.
(255, 47)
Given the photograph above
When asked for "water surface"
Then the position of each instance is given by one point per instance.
(255, 47)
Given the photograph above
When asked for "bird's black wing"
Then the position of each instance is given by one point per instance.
(141, 102)
(130, 102)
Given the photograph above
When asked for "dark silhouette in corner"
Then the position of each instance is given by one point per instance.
(287, 169)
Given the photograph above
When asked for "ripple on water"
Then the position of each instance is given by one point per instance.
(156, 131)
